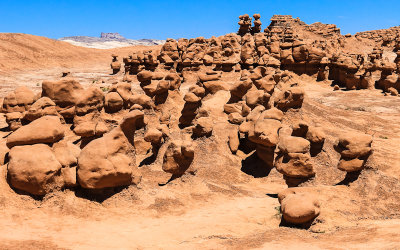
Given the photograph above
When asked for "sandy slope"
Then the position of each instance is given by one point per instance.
(23, 51)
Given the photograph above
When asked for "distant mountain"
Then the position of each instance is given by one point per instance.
(108, 41)
(111, 35)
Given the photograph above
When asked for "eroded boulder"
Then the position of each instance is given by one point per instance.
(110, 160)
(299, 208)
(47, 129)
(354, 149)
(178, 157)
(34, 169)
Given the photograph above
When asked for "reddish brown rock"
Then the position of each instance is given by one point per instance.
(34, 169)
(47, 129)
(110, 160)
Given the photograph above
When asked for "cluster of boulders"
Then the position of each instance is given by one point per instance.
(40, 159)
(245, 24)
(279, 46)
(383, 37)
(359, 72)
(325, 30)
(68, 136)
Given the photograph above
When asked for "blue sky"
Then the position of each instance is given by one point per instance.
(162, 19)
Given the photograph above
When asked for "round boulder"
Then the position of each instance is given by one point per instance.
(300, 208)
(34, 169)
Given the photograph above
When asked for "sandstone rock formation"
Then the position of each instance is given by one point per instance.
(238, 98)
(115, 65)
(354, 149)
(110, 161)
(298, 207)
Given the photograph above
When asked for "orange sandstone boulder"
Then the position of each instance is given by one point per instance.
(110, 160)
(34, 169)
(47, 129)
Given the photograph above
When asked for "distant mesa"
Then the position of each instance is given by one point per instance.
(111, 35)
(108, 41)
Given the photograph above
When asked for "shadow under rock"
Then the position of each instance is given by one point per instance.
(350, 178)
(98, 195)
(255, 167)
(305, 226)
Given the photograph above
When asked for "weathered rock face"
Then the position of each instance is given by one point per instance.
(178, 157)
(192, 104)
(87, 116)
(294, 160)
(298, 208)
(18, 101)
(291, 98)
(265, 132)
(65, 93)
(42, 107)
(47, 129)
(110, 160)
(34, 169)
(354, 149)
(91, 99)
(113, 102)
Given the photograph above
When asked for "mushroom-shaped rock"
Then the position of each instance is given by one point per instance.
(300, 208)
(354, 148)
(353, 144)
(47, 129)
(316, 137)
(110, 160)
(294, 160)
(34, 169)
(178, 157)
(295, 165)
(154, 136)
